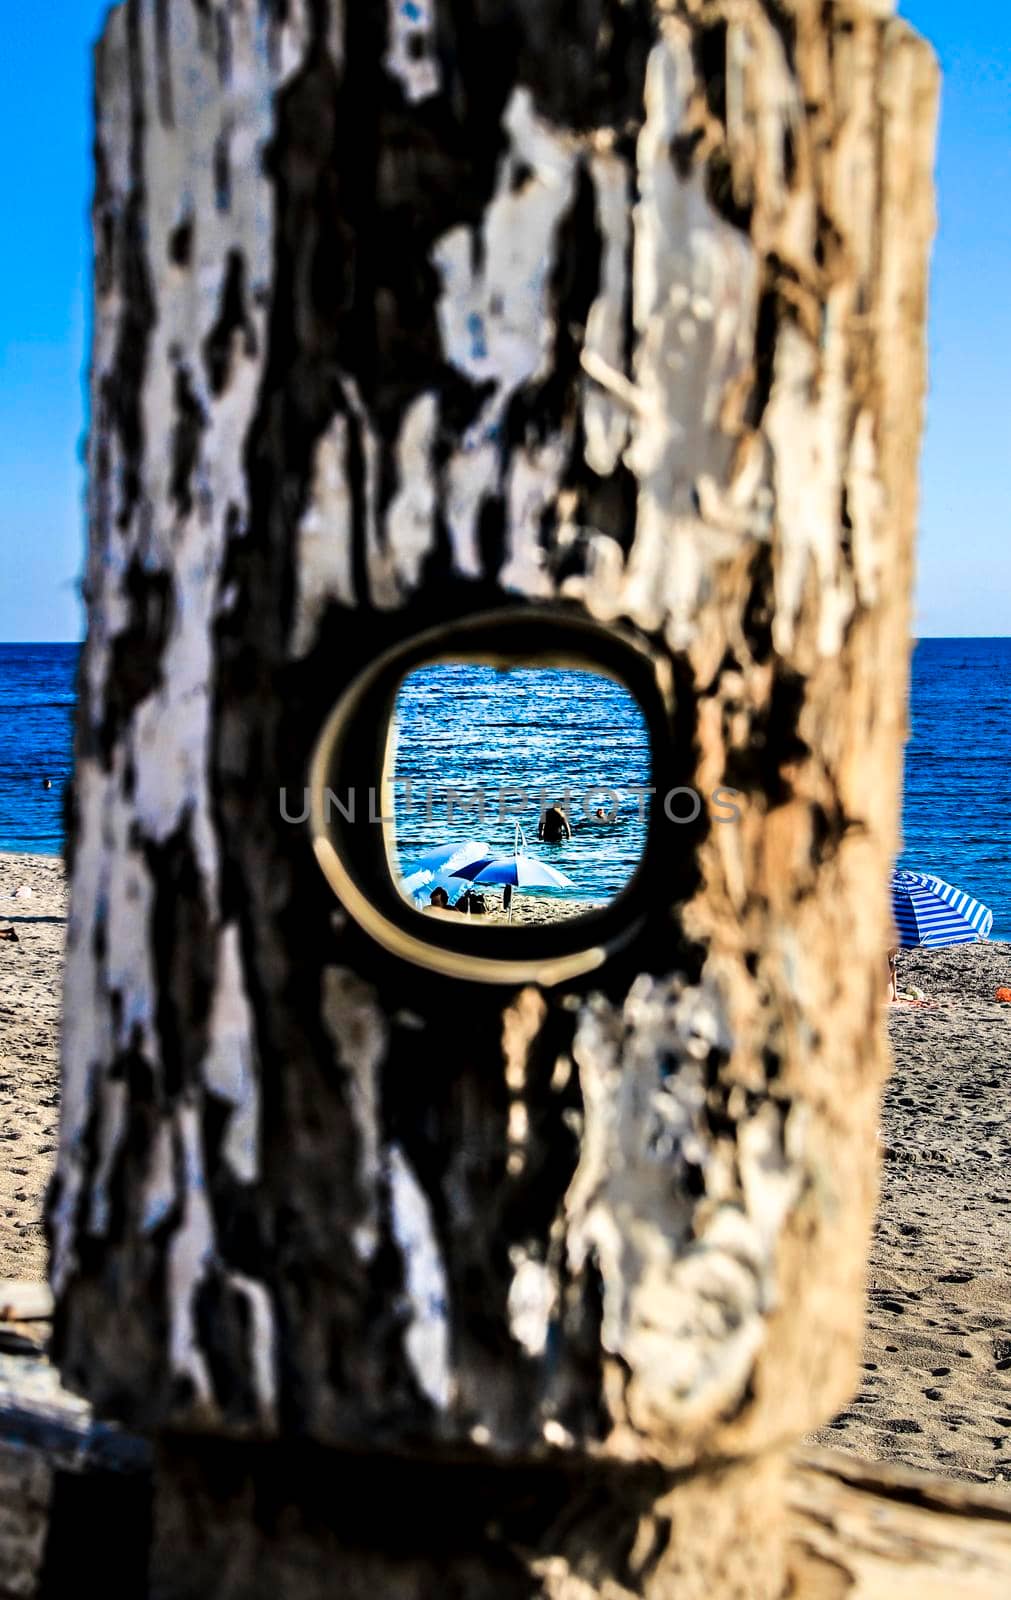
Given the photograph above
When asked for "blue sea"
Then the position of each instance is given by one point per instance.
(479, 751)
(957, 809)
(957, 800)
(36, 737)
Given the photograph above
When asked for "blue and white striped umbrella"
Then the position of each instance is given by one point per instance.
(522, 871)
(518, 871)
(929, 912)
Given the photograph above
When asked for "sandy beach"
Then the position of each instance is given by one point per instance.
(935, 1389)
(33, 901)
(531, 910)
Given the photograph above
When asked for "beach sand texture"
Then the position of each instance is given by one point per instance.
(935, 1389)
(531, 910)
(30, 972)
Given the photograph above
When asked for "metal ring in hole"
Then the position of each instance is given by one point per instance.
(351, 758)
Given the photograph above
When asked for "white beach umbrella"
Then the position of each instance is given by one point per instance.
(439, 864)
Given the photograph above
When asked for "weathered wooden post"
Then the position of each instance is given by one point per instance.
(406, 313)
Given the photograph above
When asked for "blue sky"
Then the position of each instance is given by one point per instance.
(965, 551)
(45, 135)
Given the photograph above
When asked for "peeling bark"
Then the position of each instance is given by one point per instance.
(403, 312)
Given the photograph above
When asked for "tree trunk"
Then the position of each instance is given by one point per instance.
(404, 313)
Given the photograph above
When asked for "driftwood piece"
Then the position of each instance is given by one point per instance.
(39, 1414)
(25, 1301)
(404, 312)
(25, 1494)
(74, 1493)
(24, 1338)
(856, 1530)
(731, 204)
(867, 1531)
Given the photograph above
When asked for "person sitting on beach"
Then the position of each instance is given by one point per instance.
(439, 900)
(911, 996)
(893, 976)
(472, 903)
(554, 825)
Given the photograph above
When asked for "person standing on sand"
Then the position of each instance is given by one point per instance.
(554, 825)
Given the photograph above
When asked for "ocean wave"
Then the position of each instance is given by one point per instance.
(37, 705)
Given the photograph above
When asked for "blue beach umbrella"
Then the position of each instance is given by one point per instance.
(523, 872)
(930, 913)
(434, 869)
(446, 857)
(520, 871)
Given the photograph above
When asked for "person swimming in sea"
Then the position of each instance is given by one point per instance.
(554, 825)
(602, 818)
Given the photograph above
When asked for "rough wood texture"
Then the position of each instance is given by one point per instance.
(24, 1301)
(25, 1489)
(74, 1494)
(256, 1521)
(404, 311)
(853, 1532)
(863, 1531)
